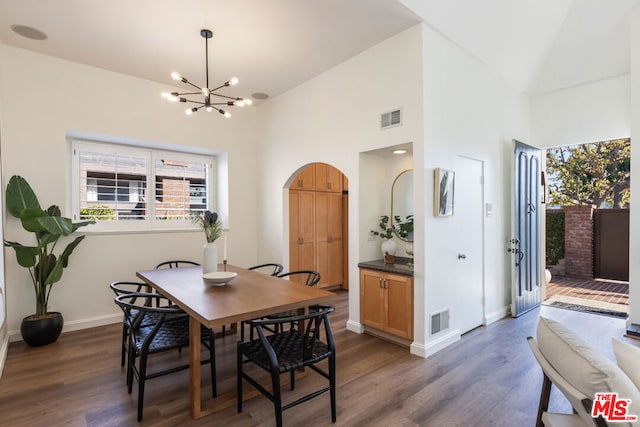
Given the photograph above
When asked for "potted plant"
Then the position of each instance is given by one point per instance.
(386, 234)
(212, 227)
(45, 267)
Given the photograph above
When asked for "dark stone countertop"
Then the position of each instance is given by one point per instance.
(399, 267)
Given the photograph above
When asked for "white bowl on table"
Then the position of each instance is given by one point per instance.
(219, 278)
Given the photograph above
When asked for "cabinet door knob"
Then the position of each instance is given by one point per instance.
(300, 240)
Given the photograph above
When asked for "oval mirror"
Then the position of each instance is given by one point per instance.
(402, 205)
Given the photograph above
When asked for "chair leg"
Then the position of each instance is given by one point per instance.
(239, 379)
(125, 338)
(545, 393)
(293, 379)
(212, 359)
(277, 397)
(131, 360)
(332, 384)
(141, 378)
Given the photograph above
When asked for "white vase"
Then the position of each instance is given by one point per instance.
(388, 246)
(209, 257)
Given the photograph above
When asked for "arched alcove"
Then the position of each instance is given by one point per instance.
(317, 212)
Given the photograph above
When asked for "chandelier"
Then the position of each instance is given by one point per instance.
(209, 94)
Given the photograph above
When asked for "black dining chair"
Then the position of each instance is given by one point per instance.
(308, 277)
(272, 268)
(185, 263)
(289, 351)
(122, 288)
(175, 264)
(154, 326)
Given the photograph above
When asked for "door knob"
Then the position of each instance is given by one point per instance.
(462, 256)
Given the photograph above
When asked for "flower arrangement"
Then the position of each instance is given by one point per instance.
(211, 225)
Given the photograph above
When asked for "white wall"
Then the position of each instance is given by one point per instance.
(469, 111)
(3, 303)
(634, 214)
(332, 118)
(42, 98)
(596, 111)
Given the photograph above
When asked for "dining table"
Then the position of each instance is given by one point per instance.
(247, 296)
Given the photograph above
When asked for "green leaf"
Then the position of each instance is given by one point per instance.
(67, 251)
(44, 267)
(77, 225)
(20, 196)
(54, 210)
(55, 274)
(25, 255)
(56, 225)
(47, 239)
(29, 219)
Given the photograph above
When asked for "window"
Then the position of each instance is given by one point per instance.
(130, 187)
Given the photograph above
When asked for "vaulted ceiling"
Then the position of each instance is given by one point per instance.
(272, 46)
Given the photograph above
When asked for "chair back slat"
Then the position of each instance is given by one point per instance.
(310, 277)
(175, 264)
(274, 267)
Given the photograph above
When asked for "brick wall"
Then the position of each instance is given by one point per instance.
(578, 241)
(175, 199)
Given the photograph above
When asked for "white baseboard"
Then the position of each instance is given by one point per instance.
(496, 315)
(354, 326)
(76, 325)
(418, 349)
(441, 342)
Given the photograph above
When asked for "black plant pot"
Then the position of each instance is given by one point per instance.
(41, 331)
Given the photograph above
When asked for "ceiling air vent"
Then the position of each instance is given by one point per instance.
(390, 119)
(439, 321)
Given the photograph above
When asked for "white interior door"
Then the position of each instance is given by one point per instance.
(469, 220)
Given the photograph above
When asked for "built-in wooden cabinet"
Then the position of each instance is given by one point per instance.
(302, 235)
(328, 178)
(329, 238)
(317, 222)
(386, 302)
(306, 179)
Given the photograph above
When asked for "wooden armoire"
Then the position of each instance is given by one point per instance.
(317, 223)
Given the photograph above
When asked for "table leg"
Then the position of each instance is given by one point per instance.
(194, 367)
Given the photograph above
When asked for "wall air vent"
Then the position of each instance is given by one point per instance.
(391, 119)
(439, 321)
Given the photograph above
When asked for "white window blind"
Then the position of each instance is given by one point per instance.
(127, 187)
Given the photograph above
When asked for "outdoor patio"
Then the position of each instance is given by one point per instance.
(607, 295)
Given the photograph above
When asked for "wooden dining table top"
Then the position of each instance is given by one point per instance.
(249, 295)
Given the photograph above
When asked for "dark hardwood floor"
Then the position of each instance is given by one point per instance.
(489, 378)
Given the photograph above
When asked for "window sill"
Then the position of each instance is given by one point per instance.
(139, 231)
